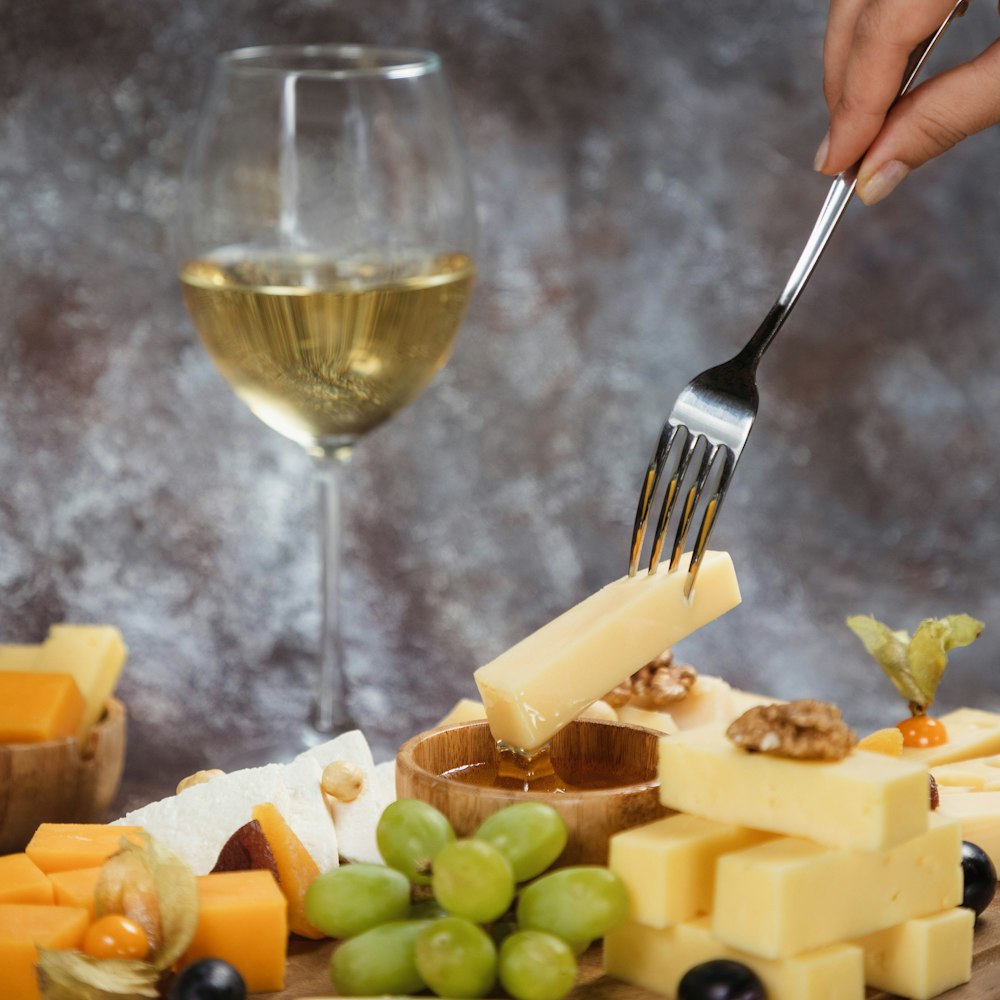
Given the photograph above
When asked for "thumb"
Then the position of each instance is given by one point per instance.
(930, 120)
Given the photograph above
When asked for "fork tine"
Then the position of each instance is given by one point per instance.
(672, 492)
(711, 514)
(691, 502)
(654, 472)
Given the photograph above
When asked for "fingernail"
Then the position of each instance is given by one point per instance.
(821, 154)
(883, 182)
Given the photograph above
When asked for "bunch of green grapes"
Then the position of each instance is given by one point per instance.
(484, 910)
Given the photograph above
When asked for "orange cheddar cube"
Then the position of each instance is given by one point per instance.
(36, 707)
(22, 881)
(243, 919)
(23, 928)
(296, 868)
(76, 888)
(62, 847)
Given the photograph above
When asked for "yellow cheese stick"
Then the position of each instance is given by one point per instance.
(546, 680)
(93, 655)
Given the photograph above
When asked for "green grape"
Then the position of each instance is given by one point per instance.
(346, 901)
(455, 958)
(530, 835)
(536, 966)
(380, 962)
(472, 879)
(576, 904)
(409, 834)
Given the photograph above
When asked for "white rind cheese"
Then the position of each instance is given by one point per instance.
(545, 681)
(197, 822)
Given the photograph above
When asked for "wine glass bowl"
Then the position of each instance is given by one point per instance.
(325, 245)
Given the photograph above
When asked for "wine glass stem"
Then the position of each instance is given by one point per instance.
(331, 694)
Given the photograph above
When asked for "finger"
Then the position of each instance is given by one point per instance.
(837, 42)
(885, 34)
(930, 120)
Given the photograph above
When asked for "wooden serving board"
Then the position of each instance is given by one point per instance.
(308, 963)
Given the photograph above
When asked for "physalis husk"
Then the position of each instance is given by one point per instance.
(150, 885)
(915, 664)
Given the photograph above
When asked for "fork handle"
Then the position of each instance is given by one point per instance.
(833, 209)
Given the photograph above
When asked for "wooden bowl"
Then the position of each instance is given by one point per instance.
(591, 815)
(52, 782)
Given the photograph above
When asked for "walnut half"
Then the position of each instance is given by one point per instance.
(804, 729)
(657, 685)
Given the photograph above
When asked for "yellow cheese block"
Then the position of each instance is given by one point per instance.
(464, 710)
(921, 958)
(982, 774)
(22, 881)
(668, 866)
(18, 657)
(791, 895)
(60, 847)
(656, 960)
(972, 732)
(979, 816)
(243, 919)
(94, 656)
(545, 681)
(38, 707)
(866, 801)
(648, 718)
(23, 928)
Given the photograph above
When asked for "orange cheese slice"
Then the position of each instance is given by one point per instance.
(60, 847)
(22, 881)
(36, 707)
(23, 928)
(76, 888)
(243, 919)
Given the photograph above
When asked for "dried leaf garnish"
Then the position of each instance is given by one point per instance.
(915, 665)
(69, 975)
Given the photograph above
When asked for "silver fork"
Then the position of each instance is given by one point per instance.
(713, 415)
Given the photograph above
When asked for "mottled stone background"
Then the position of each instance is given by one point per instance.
(643, 183)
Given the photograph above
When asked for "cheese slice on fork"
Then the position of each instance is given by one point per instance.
(546, 680)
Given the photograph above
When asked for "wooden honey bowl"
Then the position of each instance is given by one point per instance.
(52, 782)
(592, 815)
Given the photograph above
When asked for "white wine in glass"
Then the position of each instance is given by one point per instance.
(325, 246)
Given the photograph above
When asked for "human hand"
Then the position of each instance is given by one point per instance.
(865, 52)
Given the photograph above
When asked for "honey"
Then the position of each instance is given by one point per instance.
(538, 772)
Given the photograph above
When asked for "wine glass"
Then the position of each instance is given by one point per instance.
(325, 244)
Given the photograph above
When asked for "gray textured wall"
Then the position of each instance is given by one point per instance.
(641, 171)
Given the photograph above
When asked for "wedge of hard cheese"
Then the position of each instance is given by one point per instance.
(545, 681)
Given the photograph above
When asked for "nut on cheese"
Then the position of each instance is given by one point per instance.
(546, 680)
(657, 959)
(866, 801)
(669, 865)
(922, 957)
(790, 895)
